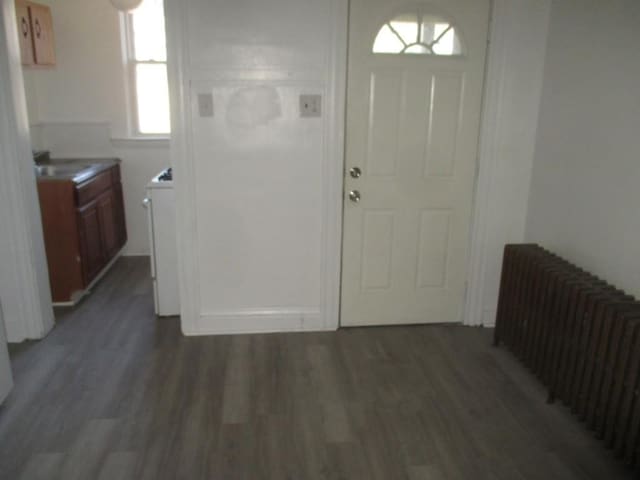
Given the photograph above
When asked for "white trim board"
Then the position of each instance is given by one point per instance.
(258, 321)
(513, 87)
(24, 282)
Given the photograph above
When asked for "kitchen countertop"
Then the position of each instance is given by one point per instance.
(75, 169)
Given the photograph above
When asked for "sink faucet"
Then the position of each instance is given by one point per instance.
(40, 156)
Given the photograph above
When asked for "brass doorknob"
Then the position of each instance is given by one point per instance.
(354, 196)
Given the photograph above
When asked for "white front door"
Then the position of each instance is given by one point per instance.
(414, 98)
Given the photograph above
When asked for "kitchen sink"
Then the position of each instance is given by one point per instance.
(77, 172)
(59, 170)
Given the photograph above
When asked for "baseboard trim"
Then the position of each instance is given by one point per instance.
(489, 317)
(257, 321)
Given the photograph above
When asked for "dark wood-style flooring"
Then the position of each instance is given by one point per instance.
(114, 393)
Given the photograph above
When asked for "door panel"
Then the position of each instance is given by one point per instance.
(444, 112)
(433, 241)
(90, 241)
(385, 112)
(377, 249)
(121, 226)
(108, 223)
(412, 128)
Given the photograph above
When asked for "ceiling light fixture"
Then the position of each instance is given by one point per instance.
(126, 5)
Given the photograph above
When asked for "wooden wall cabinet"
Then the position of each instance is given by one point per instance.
(84, 229)
(24, 33)
(35, 32)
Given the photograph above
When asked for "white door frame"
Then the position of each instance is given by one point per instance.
(24, 278)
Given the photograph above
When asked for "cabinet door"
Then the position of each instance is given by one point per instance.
(42, 30)
(93, 258)
(121, 227)
(24, 32)
(108, 223)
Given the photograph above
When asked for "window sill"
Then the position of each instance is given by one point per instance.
(142, 142)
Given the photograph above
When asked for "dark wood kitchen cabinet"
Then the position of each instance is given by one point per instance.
(84, 229)
(92, 252)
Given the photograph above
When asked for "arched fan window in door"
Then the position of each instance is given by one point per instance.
(418, 34)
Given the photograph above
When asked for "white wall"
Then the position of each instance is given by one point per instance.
(80, 106)
(585, 193)
(513, 86)
(258, 186)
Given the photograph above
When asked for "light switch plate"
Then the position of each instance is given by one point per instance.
(205, 104)
(310, 105)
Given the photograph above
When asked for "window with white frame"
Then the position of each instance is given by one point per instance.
(147, 59)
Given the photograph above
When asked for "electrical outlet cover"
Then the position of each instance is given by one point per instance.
(205, 104)
(310, 105)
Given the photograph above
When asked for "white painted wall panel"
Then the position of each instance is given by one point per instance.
(260, 184)
(258, 34)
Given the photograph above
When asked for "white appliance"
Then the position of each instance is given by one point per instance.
(6, 381)
(161, 214)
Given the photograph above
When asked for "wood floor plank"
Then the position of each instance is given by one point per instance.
(426, 472)
(87, 455)
(116, 393)
(42, 466)
(119, 466)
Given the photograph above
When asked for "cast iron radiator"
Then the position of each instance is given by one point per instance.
(580, 336)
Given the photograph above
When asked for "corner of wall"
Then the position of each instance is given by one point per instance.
(513, 87)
